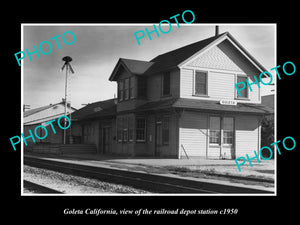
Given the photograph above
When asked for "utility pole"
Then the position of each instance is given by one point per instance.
(67, 64)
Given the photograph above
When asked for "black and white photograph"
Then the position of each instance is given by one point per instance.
(118, 109)
(138, 112)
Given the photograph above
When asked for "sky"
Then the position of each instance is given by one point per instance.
(97, 49)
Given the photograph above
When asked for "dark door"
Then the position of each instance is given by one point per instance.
(106, 139)
(158, 137)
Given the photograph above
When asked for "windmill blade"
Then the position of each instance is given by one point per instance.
(63, 67)
(70, 67)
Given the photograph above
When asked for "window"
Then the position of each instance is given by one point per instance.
(165, 130)
(243, 92)
(131, 85)
(125, 129)
(200, 83)
(126, 89)
(166, 83)
(140, 129)
(228, 130)
(119, 129)
(121, 90)
(130, 129)
(215, 130)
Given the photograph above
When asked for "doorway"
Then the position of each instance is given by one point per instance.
(106, 140)
(221, 137)
(158, 137)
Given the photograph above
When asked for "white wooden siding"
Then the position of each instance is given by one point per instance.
(186, 83)
(246, 135)
(223, 63)
(221, 85)
(193, 133)
(215, 58)
(214, 151)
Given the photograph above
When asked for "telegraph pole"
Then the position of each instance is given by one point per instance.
(67, 64)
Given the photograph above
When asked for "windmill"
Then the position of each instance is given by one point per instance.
(68, 67)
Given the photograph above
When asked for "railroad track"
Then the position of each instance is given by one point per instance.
(149, 182)
(36, 188)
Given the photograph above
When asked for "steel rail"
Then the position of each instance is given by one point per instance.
(149, 182)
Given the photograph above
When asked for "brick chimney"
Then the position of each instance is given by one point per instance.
(217, 31)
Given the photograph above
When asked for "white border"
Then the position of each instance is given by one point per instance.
(150, 24)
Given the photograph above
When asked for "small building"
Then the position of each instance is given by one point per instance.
(39, 116)
(180, 103)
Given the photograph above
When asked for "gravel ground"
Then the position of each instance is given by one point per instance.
(265, 170)
(226, 170)
(70, 184)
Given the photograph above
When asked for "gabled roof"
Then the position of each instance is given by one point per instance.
(39, 109)
(133, 66)
(176, 57)
(207, 105)
(173, 59)
(96, 109)
(36, 110)
(157, 105)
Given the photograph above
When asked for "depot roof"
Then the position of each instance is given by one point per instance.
(206, 106)
(96, 110)
(174, 58)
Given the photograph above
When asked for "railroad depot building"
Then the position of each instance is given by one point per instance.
(180, 103)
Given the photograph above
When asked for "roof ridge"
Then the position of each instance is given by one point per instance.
(197, 42)
(133, 59)
(173, 58)
(38, 109)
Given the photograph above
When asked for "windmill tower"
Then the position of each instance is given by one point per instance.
(67, 65)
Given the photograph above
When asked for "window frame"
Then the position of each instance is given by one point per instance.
(126, 92)
(222, 131)
(206, 83)
(130, 129)
(131, 87)
(121, 90)
(210, 130)
(233, 130)
(247, 88)
(119, 124)
(139, 129)
(124, 129)
(126, 89)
